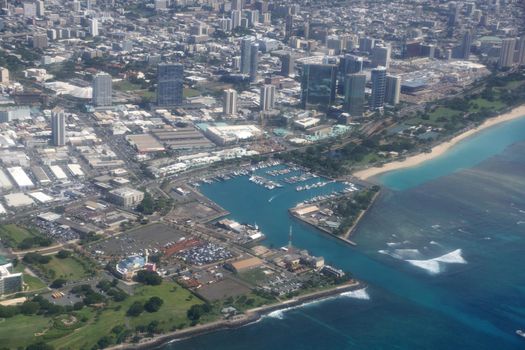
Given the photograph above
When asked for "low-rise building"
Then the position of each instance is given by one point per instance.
(126, 196)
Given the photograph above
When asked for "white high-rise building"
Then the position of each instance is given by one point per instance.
(393, 89)
(40, 8)
(506, 56)
(4, 75)
(58, 127)
(230, 103)
(102, 89)
(236, 18)
(93, 27)
(381, 56)
(29, 9)
(267, 102)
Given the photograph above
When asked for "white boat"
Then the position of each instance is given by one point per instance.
(520, 333)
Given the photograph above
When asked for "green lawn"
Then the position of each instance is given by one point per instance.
(72, 268)
(126, 85)
(20, 330)
(172, 314)
(189, 92)
(253, 276)
(15, 234)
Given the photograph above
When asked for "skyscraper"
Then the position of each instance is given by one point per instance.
(377, 99)
(58, 127)
(520, 59)
(93, 27)
(381, 56)
(254, 61)
(230, 103)
(318, 85)
(267, 102)
(246, 44)
(393, 89)
(466, 43)
(102, 89)
(287, 65)
(236, 17)
(170, 77)
(354, 90)
(506, 56)
(288, 27)
(351, 64)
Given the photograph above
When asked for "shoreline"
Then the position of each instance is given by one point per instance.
(441, 148)
(248, 317)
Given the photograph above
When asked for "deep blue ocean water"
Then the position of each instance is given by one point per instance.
(442, 252)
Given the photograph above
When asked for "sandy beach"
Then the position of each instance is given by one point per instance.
(440, 149)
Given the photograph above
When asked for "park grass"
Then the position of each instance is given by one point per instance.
(71, 268)
(20, 330)
(33, 283)
(171, 315)
(15, 234)
(253, 276)
(126, 85)
(189, 92)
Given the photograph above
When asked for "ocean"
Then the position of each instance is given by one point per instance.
(442, 253)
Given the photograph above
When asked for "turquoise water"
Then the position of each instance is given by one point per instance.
(441, 251)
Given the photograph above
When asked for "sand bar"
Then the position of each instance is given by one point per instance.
(440, 149)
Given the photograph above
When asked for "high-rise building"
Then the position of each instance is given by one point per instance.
(351, 64)
(366, 44)
(520, 59)
(230, 103)
(4, 75)
(378, 77)
(237, 5)
(254, 61)
(466, 43)
(40, 8)
(10, 282)
(102, 89)
(236, 17)
(354, 90)
(267, 102)
(29, 9)
(318, 85)
(39, 41)
(93, 27)
(288, 26)
(170, 78)
(287, 65)
(506, 56)
(246, 45)
(381, 56)
(58, 127)
(393, 89)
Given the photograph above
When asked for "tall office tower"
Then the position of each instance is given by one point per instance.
(288, 27)
(393, 89)
(520, 59)
(318, 85)
(102, 89)
(254, 61)
(253, 17)
(378, 77)
(466, 43)
(93, 27)
(246, 44)
(267, 102)
(354, 102)
(230, 103)
(225, 24)
(366, 44)
(4, 75)
(40, 8)
(76, 6)
(350, 64)
(170, 77)
(237, 5)
(29, 9)
(506, 56)
(381, 56)
(236, 17)
(58, 127)
(306, 29)
(262, 6)
(287, 65)
(39, 41)
(470, 7)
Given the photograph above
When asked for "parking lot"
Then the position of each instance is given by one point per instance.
(153, 237)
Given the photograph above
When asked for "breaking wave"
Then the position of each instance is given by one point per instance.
(433, 266)
(361, 294)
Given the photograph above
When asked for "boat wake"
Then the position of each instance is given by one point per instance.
(360, 294)
(434, 266)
